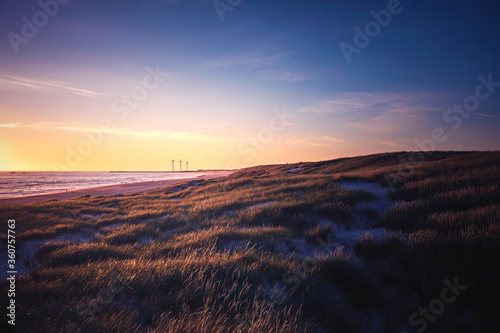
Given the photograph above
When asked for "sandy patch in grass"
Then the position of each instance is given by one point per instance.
(25, 251)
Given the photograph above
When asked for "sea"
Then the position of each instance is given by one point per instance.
(19, 184)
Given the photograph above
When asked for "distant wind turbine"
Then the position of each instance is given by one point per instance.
(187, 166)
(173, 161)
(180, 163)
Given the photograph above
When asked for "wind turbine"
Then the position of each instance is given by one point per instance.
(180, 163)
(173, 161)
(187, 166)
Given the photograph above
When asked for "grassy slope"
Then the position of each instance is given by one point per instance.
(208, 258)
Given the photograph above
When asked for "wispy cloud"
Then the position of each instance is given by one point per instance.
(363, 102)
(137, 133)
(380, 112)
(279, 75)
(10, 125)
(314, 141)
(20, 83)
(378, 125)
(486, 115)
(389, 143)
(248, 60)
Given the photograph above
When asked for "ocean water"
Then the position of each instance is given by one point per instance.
(20, 184)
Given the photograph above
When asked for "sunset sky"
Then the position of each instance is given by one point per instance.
(64, 89)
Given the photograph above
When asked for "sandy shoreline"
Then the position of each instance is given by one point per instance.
(140, 187)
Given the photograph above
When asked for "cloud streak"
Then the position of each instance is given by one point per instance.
(313, 141)
(486, 115)
(250, 60)
(13, 125)
(389, 143)
(279, 75)
(378, 112)
(144, 134)
(370, 102)
(19, 83)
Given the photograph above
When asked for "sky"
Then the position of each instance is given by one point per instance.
(131, 85)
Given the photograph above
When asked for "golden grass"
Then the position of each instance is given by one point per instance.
(207, 258)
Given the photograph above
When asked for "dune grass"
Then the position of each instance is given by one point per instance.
(212, 256)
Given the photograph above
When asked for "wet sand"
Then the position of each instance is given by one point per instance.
(141, 187)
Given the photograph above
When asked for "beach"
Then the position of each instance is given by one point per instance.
(130, 188)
